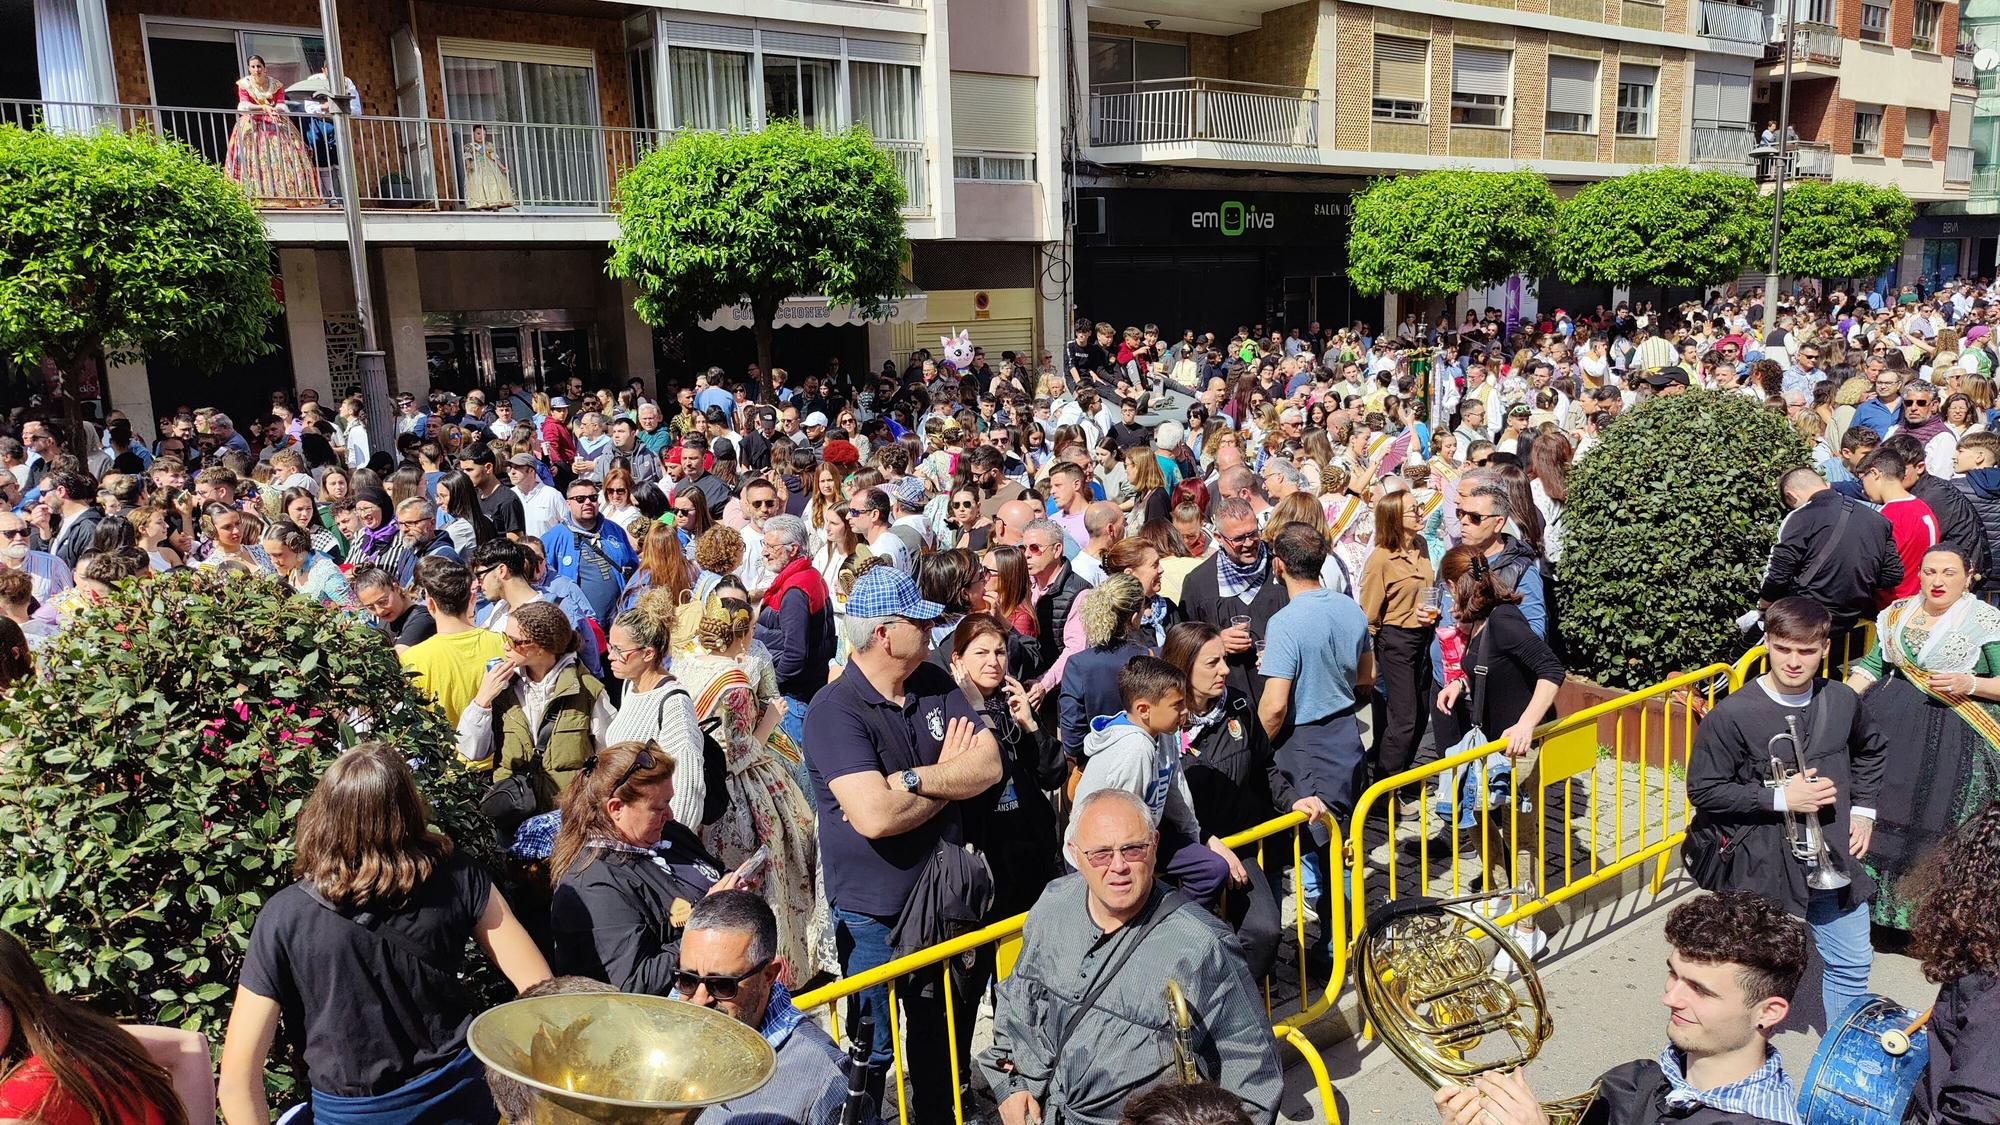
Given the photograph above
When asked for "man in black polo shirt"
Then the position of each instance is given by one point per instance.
(500, 503)
(893, 746)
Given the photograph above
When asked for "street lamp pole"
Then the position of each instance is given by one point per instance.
(369, 358)
(1782, 163)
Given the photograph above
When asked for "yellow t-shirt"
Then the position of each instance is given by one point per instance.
(451, 666)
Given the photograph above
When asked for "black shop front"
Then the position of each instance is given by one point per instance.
(1214, 261)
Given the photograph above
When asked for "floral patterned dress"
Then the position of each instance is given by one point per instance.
(266, 154)
(766, 806)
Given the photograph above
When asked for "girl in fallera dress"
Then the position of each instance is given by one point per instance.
(487, 187)
(266, 154)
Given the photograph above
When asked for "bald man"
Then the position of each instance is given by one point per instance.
(1105, 523)
(1014, 517)
(1239, 482)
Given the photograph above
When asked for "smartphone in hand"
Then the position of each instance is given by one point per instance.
(752, 871)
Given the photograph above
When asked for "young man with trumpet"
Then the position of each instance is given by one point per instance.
(1783, 778)
(1733, 963)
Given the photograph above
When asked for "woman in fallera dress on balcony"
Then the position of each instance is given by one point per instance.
(266, 154)
(487, 187)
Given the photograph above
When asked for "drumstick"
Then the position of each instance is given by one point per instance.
(1897, 1043)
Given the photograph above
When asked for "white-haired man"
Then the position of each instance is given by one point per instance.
(796, 619)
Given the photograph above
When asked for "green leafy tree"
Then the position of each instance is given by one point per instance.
(1441, 232)
(1666, 529)
(1841, 230)
(119, 246)
(1664, 226)
(713, 219)
(151, 780)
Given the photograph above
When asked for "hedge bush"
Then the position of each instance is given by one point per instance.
(1662, 226)
(155, 770)
(1436, 233)
(1665, 533)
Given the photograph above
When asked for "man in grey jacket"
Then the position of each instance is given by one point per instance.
(1083, 1023)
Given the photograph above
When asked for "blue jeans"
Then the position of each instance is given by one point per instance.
(862, 941)
(794, 726)
(1842, 941)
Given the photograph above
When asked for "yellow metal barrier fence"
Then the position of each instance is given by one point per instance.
(1640, 740)
(1005, 937)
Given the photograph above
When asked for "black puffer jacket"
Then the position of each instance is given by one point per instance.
(1962, 1083)
(1958, 519)
(1982, 488)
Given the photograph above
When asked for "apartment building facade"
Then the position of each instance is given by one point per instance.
(570, 94)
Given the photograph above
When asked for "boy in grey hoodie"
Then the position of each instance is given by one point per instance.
(1138, 750)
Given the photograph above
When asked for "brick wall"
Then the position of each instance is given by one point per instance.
(1813, 109)
(1894, 120)
(1902, 23)
(1354, 46)
(1531, 93)
(1940, 134)
(1850, 19)
(1208, 55)
(1282, 51)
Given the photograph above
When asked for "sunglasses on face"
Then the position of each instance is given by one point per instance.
(1130, 853)
(722, 988)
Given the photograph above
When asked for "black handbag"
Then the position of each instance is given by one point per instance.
(520, 795)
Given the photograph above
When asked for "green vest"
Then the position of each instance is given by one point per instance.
(567, 723)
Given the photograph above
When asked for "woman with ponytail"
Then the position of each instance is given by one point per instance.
(656, 708)
(63, 1064)
(767, 803)
(1113, 615)
(1957, 938)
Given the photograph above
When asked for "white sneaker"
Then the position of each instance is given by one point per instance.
(1532, 941)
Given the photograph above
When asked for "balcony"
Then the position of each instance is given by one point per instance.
(1809, 161)
(1811, 43)
(1958, 165)
(423, 165)
(1962, 73)
(1182, 110)
(1727, 145)
(1723, 20)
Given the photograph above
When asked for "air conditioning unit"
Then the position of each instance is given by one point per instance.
(1089, 214)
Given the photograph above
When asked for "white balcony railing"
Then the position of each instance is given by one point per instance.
(1723, 20)
(1811, 42)
(1723, 144)
(1809, 161)
(1203, 109)
(1957, 165)
(403, 163)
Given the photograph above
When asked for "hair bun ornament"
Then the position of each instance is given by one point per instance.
(1479, 567)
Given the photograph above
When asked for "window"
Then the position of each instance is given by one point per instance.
(1479, 84)
(1917, 126)
(994, 167)
(1402, 78)
(1867, 132)
(1924, 30)
(802, 90)
(520, 99)
(1635, 99)
(1816, 11)
(884, 97)
(1572, 95)
(1875, 21)
(710, 89)
(1116, 61)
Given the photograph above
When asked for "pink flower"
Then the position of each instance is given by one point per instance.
(242, 710)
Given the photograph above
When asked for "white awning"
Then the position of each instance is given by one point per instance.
(812, 312)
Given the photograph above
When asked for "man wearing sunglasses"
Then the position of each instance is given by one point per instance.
(50, 575)
(729, 963)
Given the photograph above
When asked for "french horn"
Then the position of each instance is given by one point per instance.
(1423, 978)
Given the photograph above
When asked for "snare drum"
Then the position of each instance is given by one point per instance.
(1853, 1080)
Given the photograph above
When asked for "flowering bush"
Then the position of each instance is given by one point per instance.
(151, 775)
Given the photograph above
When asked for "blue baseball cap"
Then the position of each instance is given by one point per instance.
(888, 592)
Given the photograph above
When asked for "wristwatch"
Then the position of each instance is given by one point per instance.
(910, 781)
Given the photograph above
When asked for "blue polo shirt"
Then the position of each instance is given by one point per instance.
(856, 730)
(1316, 642)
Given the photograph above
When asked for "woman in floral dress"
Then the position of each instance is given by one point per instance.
(266, 154)
(766, 806)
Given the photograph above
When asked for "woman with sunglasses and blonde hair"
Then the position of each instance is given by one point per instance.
(626, 873)
(736, 701)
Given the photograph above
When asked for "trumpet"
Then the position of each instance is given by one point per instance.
(1183, 1023)
(1802, 829)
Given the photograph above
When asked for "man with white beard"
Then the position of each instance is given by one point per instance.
(50, 574)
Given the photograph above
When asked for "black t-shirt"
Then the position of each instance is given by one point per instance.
(504, 509)
(414, 627)
(369, 1012)
(1079, 357)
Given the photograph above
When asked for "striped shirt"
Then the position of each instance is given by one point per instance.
(1767, 1093)
(49, 575)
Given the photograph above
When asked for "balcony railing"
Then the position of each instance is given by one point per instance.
(1203, 109)
(1957, 165)
(414, 164)
(1811, 43)
(1723, 20)
(1810, 161)
(1962, 73)
(1723, 144)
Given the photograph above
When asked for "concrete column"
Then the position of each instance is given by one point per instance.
(402, 305)
(635, 338)
(130, 390)
(305, 321)
(1052, 321)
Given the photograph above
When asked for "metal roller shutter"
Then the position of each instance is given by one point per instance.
(1400, 68)
(992, 112)
(1573, 86)
(1481, 70)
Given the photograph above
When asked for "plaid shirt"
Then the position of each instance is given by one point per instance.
(1767, 1093)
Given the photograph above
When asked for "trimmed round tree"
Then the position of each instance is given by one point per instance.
(1441, 232)
(119, 246)
(1665, 533)
(1664, 226)
(1842, 230)
(155, 768)
(713, 219)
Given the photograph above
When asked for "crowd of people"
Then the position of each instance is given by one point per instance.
(777, 679)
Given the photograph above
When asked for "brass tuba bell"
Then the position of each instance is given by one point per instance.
(616, 1057)
(1423, 979)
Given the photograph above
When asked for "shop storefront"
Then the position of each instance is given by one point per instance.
(1943, 247)
(1215, 260)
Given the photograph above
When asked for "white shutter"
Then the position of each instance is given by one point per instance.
(1734, 99)
(689, 34)
(1400, 68)
(797, 43)
(878, 50)
(1707, 97)
(516, 52)
(1959, 124)
(992, 112)
(1480, 70)
(1573, 85)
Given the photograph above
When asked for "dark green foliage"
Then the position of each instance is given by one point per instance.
(1842, 230)
(1441, 232)
(1665, 226)
(1665, 534)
